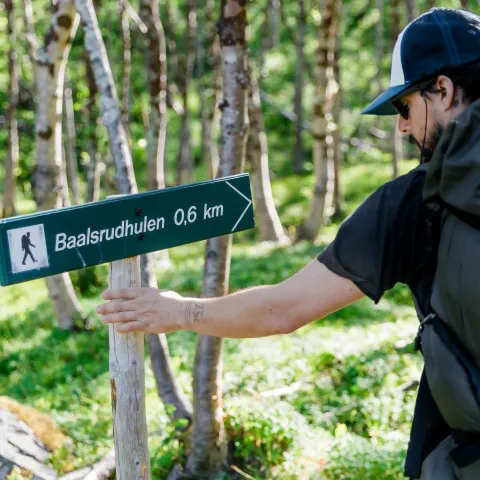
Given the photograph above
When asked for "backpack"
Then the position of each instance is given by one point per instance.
(449, 336)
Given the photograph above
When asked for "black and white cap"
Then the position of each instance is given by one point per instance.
(438, 40)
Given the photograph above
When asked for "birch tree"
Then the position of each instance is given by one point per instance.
(337, 201)
(209, 86)
(185, 159)
(111, 116)
(156, 61)
(11, 160)
(299, 72)
(171, 43)
(208, 440)
(126, 66)
(94, 168)
(322, 167)
(70, 141)
(267, 219)
(47, 179)
(29, 31)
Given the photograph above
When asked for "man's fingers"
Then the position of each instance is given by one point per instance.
(119, 317)
(135, 326)
(116, 306)
(122, 294)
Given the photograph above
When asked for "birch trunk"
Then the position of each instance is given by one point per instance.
(127, 378)
(71, 156)
(64, 189)
(268, 221)
(109, 109)
(208, 441)
(11, 160)
(185, 159)
(167, 388)
(126, 68)
(157, 88)
(93, 169)
(120, 150)
(337, 201)
(274, 16)
(209, 89)
(29, 31)
(315, 219)
(47, 178)
(298, 103)
(171, 42)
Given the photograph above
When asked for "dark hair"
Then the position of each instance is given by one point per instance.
(467, 77)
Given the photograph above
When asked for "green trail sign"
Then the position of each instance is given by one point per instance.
(56, 241)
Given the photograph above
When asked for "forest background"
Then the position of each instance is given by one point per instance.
(331, 401)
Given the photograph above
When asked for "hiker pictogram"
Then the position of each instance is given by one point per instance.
(28, 248)
(26, 244)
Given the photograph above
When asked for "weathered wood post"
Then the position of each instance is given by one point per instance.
(127, 379)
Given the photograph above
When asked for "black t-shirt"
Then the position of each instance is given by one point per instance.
(385, 241)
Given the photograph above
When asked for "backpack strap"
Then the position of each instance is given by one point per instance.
(428, 430)
(468, 218)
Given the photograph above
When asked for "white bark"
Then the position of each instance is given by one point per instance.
(185, 165)
(30, 31)
(94, 166)
(11, 161)
(156, 61)
(127, 376)
(48, 177)
(323, 165)
(109, 108)
(71, 157)
(267, 219)
(212, 84)
(208, 440)
(126, 67)
(157, 87)
(299, 71)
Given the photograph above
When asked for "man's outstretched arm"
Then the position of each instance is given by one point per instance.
(310, 294)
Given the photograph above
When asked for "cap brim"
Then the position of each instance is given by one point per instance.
(382, 104)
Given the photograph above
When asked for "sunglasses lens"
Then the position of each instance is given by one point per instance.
(401, 108)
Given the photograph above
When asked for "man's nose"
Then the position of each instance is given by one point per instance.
(404, 126)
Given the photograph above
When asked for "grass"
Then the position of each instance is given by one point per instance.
(348, 418)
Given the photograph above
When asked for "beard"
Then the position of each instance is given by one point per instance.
(431, 142)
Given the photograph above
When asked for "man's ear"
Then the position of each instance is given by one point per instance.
(445, 89)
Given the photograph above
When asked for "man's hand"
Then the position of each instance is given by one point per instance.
(146, 310)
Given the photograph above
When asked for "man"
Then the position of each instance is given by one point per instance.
(435, 77)
(26, 244)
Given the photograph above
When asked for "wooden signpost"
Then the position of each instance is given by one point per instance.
(118, 230)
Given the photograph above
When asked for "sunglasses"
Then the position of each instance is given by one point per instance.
(402, 109)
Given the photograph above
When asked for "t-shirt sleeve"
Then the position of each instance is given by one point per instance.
(375, 246)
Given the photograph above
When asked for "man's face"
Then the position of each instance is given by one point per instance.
(414, 126)
(435, 110)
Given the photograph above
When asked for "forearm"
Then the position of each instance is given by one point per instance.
(255, 312)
